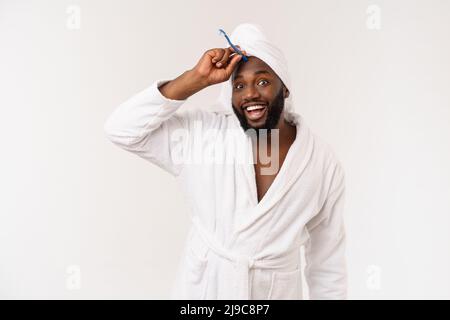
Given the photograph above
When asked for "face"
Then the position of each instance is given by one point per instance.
(258, 95)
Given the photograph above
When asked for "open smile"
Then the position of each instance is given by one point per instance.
(255, 112)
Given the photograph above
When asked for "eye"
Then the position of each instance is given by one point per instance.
(239, 85)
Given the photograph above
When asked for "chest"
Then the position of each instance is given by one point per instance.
(267, 166)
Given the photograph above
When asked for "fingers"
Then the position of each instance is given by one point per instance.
(218, 54)
(222, 57)
(224, 61)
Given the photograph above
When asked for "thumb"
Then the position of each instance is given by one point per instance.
(233, 63)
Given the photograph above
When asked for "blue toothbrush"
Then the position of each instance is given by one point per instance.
(236, 49)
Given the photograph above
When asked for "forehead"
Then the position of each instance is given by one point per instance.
(254, 64)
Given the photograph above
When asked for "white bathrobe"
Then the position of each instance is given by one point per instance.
(238, 248)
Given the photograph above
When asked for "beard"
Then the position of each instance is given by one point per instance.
(274, 111)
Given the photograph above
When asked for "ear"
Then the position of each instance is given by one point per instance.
(285, 92)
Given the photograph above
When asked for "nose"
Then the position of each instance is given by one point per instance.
(251, 93)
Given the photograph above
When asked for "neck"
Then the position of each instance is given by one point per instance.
(287, 132)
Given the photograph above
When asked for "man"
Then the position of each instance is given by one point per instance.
(249, 218)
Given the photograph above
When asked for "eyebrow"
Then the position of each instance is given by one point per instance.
(256, 72)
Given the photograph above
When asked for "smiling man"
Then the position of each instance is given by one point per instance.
(258, 103)
(248, 223)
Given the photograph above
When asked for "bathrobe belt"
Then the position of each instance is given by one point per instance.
(243, 264)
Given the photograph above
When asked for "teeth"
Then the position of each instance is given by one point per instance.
(256, 107)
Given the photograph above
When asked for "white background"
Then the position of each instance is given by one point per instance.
(81, 218)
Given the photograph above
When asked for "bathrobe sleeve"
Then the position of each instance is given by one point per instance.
(144, 125)
(325, 270)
